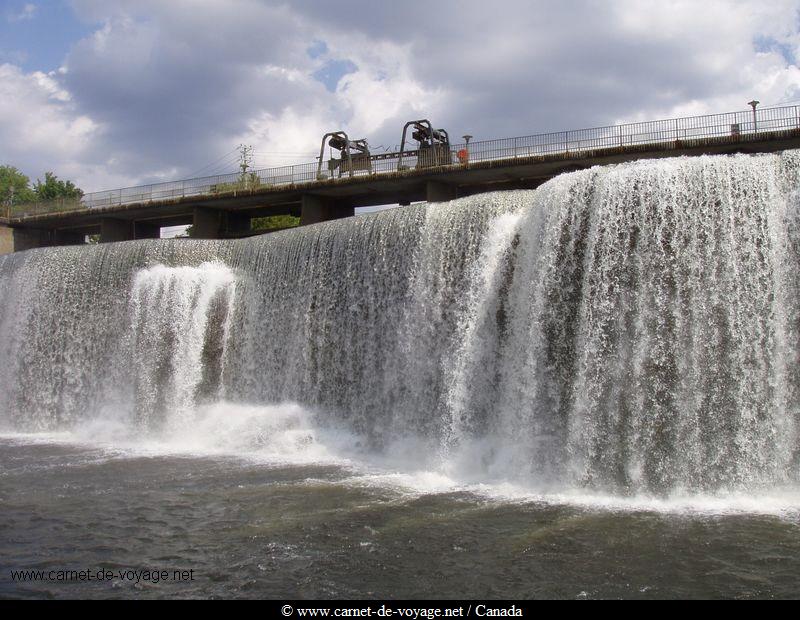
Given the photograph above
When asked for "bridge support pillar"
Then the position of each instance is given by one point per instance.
(112, 229)
(206, 223)
(436, 191)
(146, 230)
(18, 239)
(317, 209)
(6, 240)
(210, 223)
(68, 237)
(237, 223)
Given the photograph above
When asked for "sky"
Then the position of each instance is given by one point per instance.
(114, 93)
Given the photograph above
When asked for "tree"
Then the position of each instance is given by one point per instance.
(274, 222)
(52, 188)
(14, 187)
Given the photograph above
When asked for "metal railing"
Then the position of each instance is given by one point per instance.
(669, 133)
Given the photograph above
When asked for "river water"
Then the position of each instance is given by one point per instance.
(316, 530)
(586, 390)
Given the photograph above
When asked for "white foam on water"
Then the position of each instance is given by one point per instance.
(774, 503)
(265, 434)
(271, 434)
(284, 435)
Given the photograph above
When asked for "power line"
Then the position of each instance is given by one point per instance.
(780, 102)
(284, 152)
(194, 174)
(213, 164)
(227, 167)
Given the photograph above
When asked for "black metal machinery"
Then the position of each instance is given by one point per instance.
(434, 145)
(353, 154)
(433, 149)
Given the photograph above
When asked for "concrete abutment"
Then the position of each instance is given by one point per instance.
(112, 229)
(436, 191)
(13, 239)
(208, 223)
(316, 209)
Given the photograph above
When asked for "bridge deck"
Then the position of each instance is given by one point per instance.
(403, 186)
(522, 162)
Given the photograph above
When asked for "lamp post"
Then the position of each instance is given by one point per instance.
(753, 105)
(467, 138)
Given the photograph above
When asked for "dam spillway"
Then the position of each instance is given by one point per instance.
(627, 329)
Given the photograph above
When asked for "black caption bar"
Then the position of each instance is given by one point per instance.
(400, 610)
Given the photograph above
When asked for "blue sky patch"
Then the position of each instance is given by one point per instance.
(39, 38)
(317, 49)
(768, 44)
(332, 71)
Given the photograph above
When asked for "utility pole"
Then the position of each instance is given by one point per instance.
(245, 158)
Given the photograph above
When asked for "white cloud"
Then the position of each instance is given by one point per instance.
(39, 128)
(384, 91)
(163, 88)
(28, 11)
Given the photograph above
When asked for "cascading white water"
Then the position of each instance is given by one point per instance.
(629, 328)
(181, 320)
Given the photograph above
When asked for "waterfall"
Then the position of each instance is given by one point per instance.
(631, 328)
(180, 326)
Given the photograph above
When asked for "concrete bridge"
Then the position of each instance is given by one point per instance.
(222, 206)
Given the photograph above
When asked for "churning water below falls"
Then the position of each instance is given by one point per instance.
(587, 390)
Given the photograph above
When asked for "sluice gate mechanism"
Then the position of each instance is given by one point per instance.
(432, 149)
(353, 154)
(433, 145)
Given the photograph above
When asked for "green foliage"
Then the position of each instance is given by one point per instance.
(245, 182)
(52, 188)
(274, 222)
(14, 187)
